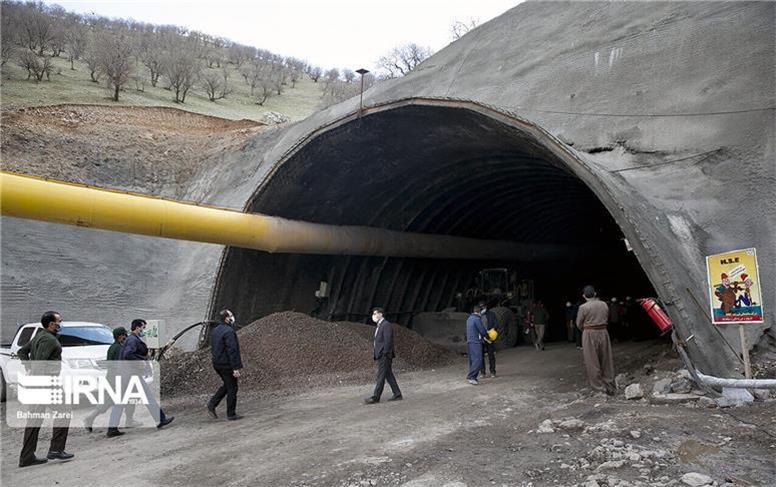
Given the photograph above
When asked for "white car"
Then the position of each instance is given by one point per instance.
(83, 345)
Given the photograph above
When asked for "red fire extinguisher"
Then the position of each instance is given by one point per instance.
(659, 317)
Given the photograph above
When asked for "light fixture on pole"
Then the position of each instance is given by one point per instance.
(362, 72)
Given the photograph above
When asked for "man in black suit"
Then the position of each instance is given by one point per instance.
(383, 354)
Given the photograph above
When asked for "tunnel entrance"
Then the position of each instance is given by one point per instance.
(442, 169)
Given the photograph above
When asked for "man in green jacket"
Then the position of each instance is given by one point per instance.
(45, 347)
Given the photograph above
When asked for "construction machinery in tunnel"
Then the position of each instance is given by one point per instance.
(432, 167)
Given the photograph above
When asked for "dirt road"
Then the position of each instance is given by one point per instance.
(445, 432)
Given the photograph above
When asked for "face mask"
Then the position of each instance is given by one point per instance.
(376, 318)
(56, 330)
(230, 320)
(142, 333)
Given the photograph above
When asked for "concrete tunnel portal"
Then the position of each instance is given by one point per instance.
(443, 167)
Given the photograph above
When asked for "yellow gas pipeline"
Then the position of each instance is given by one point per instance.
(85, 206)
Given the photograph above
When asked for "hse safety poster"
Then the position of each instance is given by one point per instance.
(734, 287)
(153, 330)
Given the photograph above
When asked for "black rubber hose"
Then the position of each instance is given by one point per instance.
(171, 342)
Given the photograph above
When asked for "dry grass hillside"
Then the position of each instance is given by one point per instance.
(75, 87)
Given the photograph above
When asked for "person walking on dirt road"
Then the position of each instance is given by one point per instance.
(134, 349)
(384, 355)
(475, 330)
(540, 320)
(227, 362)
(44, 347)
(592, 319)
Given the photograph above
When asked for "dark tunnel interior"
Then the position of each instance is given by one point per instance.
(443, 170)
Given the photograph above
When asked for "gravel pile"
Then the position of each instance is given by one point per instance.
(289, 350)
(412, 350)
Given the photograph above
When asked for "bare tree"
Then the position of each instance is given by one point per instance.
(92, 60)
(332, 74)
(153, 59)
(36, 66)
(295, 68)
(36, 27)
(239, 54)
(277, 76)
(348, 75)
(181, 68)
(216, 84)
(315, 73)
(460, 28)
(337, 90)
(76, 38)
(58, 22)
(9, 35)
(115, 60)
(264, 91)
(403, 59)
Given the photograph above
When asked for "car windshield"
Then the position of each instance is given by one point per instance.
(79, 336)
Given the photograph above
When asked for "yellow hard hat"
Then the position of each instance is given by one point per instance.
(492, 335)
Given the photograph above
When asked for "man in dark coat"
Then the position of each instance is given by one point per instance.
(225, 350)
(45, 347)
(134, 349)
(383, 354)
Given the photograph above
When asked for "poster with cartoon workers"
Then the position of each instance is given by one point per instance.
(734, 287)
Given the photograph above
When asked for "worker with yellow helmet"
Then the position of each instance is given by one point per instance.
(489, 322)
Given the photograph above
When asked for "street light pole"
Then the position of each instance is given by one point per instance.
(362, 72)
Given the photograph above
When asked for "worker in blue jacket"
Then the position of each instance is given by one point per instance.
(475, 330)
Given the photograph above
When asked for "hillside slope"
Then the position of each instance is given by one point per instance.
(75, 86)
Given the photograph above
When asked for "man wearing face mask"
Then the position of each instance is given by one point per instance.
(119, 335)
(45, 347)
(384, 354)
(135, 349)
(227, 363)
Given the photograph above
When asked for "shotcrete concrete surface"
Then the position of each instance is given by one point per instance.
(665, 110)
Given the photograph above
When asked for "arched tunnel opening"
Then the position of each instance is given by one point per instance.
(445, 170)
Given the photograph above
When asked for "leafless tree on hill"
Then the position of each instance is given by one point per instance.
(58, 16)
(76, 39)
(239, 54)
(337, 90)
(91, 59)
(403, 59)
(37, 66)
(295, 69)
(152, 58)
(36, 27)
(460, 28)
(115, 60)
(315, 73)
(264, 90)
(348, 75)
(216, 84)
(181, 68)
(8, 37)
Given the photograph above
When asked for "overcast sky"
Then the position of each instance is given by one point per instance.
(329, 33)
